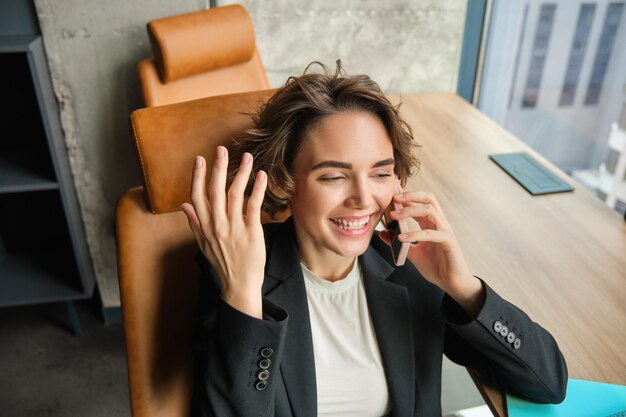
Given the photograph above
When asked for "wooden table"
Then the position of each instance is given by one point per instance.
(559, 257)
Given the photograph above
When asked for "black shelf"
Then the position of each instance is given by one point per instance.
(43, 251)
(23, 170)
(16, 43)
(37, 277)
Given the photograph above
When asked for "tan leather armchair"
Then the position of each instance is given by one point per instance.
(156, 249)
(201, 54)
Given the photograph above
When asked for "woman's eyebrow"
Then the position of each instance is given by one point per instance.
(384, 162)
(332, 164)
(345, 165)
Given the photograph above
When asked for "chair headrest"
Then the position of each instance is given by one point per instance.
(201, 41)
(168, 138)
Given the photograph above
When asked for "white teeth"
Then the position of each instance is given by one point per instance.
(351, 225)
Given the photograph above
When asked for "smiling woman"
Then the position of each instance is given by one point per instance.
(341, 194)
(284, 121)
(310, 316)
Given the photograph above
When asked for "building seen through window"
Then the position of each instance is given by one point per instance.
(603, 51)
(539, 52)
(577, 54)
(554, 74)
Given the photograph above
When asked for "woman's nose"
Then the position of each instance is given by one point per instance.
(360, 195)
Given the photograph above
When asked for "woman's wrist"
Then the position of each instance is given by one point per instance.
(249, 302)
(469, 293)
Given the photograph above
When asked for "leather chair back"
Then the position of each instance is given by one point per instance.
(156, 249)
(201, 54)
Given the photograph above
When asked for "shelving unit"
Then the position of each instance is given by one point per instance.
(43, 253)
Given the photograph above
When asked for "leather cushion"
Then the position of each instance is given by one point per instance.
(158, 280)
(201, 41)
(238, 78)
(168, 138)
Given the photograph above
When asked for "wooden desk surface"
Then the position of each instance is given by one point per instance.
(559, 257)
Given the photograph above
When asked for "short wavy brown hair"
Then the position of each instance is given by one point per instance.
(282, 123)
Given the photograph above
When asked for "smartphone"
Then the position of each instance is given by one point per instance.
(399, 250)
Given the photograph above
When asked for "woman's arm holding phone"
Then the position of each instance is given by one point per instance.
(526, 361)
(438, 255)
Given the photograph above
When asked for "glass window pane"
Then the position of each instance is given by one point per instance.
(603, 52)
(554, 74)
(539, 52)
(577, 53)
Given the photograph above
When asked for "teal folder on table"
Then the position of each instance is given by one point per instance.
(583, 399)
(530, 173)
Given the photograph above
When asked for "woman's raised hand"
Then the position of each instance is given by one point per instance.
(438, 255)
(231, 241)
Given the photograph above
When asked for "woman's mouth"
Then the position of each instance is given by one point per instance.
(351, 223)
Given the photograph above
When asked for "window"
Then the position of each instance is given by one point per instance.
(538, 58)
(558, 81)
(517, 55)
(577, 53)
(603, 52)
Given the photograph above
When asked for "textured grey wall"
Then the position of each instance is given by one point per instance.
(407, 46)
(93, 48)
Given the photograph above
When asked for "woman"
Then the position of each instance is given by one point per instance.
(309, 317)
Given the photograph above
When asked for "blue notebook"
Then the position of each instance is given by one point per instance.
(583, 399)
(530, 173)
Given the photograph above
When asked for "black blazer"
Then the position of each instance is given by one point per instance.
(415, 324)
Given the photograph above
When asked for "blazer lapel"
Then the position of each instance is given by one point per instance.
(391, 315)
(284, 285)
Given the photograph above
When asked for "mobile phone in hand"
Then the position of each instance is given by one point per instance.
(399, 250)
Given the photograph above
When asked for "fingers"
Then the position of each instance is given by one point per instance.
(209, 216)
(426, 235)
(255, 202)
(421, 212)
(238, 187)
(194, 224)
(198, 233)
(218, 223)
(217, 187)
(198, 193)
(422, 205)
(189, 211)
(419, 197)
(425, 208)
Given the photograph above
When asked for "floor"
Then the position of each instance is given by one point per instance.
(46, 371)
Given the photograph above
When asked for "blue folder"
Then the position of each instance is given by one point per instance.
(583, 399)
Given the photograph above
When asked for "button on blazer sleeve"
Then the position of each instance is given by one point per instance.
(507, 348)
(236, 356)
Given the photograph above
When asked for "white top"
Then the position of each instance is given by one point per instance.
(348, 367)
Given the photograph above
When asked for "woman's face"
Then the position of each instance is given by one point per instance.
(344, 180)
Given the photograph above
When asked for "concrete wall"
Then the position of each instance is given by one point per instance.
(407, 46)
(93, 48)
